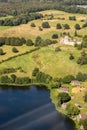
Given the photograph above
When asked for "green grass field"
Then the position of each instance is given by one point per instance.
(57, 64)
(28, 32)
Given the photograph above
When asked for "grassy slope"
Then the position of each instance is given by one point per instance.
(54, 63)
(28, 32)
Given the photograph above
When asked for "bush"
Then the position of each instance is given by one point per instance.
(77, 27)
(81, 77)
(29, 42)
(58, 26)
(66, 26)
(55, 36)
(40, 28)
(71, 57)
(68, 78)
(1, 52)
(15, 50)
(85, 97)
(64, 97)
(45, 25)
(33, 25)
(72, 18)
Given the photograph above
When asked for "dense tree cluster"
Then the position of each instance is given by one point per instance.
(41, 77)
(22, 19)
(64, 97)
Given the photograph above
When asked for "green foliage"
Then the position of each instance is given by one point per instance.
(58, 26)
(72, 18)
(84, 25)
(72, 110)
(66, 26)
(83, 59)
(35, 71)
(81, 76)
(33, 25)
(55, 36)
(68, 78)
(22, 80)
(45, 25)
(29, 42)
(64, 97)
(71, 57)
(85, 97)
(77, 27)
(40, 28)
(13, 78)
(5, 79)
(43, 78)
(84, 42)
(1, 51)
(39, 41)
(15, 50)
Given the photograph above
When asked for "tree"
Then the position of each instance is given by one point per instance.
(64, 97)
(39, 41)
(72, 18)
(35, 71)
(29, 42)
(1, 51)
(13, 77)
(5, 79)
(75, 33)
(81, 77)
(15, 50)
(77, 27)
(45, 25)
(68, 78)
(33, 25)
(71, 57)
(55, 36)
(58, 26)
(72, 110)
(66, 26)
(85, 97)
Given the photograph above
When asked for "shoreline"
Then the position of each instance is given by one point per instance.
(46, 86)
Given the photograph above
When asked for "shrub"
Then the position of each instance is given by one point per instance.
(29, 42)
(77, 27)
(58, 26)
(33, 25)
(64, 97)
(71, 57)
(68, 78)
(66, 26)
(14, 49)
(1, 52)
(55, 36)
(45, 25)
(40, 28)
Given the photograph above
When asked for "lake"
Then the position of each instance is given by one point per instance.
(30, 109)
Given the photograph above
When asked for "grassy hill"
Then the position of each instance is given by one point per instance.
(57, 64)
(54, 63)
(27, 31)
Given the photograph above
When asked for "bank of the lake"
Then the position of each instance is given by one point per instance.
(54, 98)
(30, 109)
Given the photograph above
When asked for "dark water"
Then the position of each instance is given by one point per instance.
(30, 109)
